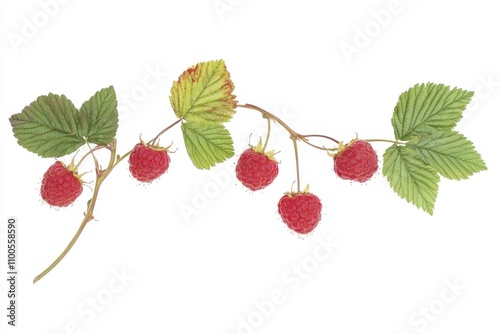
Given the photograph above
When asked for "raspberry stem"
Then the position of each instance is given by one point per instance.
(293, 133)
(100, 177)
(296, 151)
(152, 141)
(386, 141)
(305, 140)
(268, 133)
(270, 116)
(96, 163)
(90, 152)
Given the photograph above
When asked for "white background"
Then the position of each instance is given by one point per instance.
(216, 270)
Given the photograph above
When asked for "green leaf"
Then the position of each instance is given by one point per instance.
(426, 108)
(203, 94)
(207, 144)
(49, 126)
(99, 117)
(410, 177)
(450, 153)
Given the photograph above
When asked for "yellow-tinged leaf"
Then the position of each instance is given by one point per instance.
(204, 94)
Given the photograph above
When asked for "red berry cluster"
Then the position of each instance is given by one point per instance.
(357, 162)
(301, 211)
(255, 169)
(147, 163)
(61, 186)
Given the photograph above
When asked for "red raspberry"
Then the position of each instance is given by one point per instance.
(256, 170)
(358, 161)
(147, 163)
(61, 186)
(300, 211)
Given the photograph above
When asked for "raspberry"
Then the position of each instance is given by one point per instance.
(358, 161)
(300, 211)
(256, 169)
(61, 186)
(147, 163)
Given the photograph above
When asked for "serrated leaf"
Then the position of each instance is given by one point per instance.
(99, 117)
(450, 153)
(49, 126)
(203, 94)
(207, 144)
(410, 177)
(426, 108)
